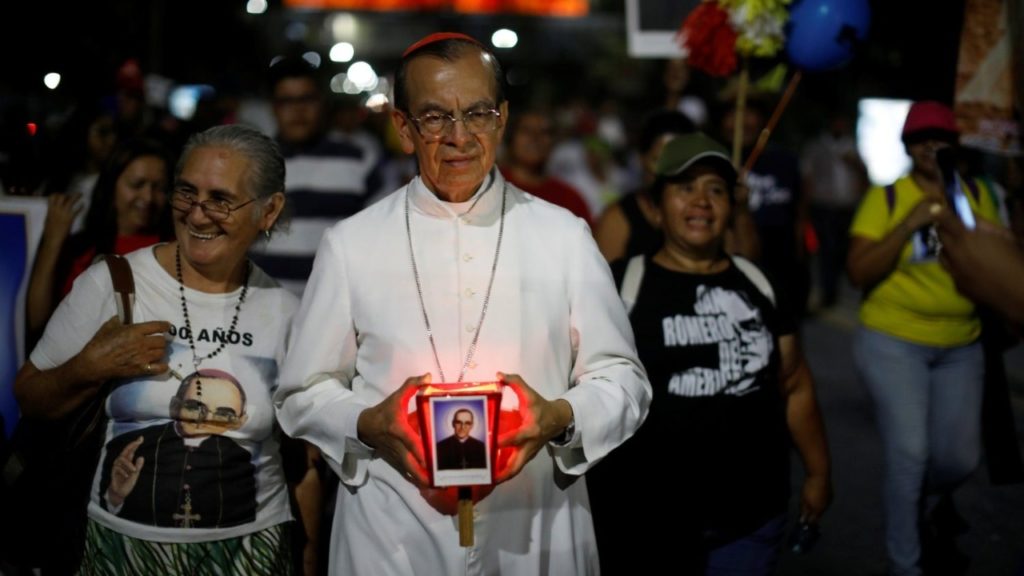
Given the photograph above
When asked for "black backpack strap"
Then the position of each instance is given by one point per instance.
(890, 196)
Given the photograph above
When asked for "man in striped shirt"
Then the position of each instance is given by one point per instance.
(328, 178)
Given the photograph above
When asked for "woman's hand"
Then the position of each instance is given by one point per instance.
(119, 351)
(115, 351)
(923, 214)
(40, 302)
(815, 497)
(61, 211)
(870, 260)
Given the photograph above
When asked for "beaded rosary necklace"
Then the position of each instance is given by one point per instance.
(196, 359)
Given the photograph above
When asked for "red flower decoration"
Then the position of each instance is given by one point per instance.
(710, 40)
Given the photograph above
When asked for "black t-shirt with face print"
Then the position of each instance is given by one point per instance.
(713, 453)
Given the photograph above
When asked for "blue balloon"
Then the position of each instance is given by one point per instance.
(823, 34)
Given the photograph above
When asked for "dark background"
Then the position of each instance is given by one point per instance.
(911, 50)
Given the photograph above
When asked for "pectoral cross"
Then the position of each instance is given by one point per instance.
(187, 517)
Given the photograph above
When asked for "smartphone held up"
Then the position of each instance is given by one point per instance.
(953, 186)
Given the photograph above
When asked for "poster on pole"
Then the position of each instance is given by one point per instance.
(985, 91)
(652, 27)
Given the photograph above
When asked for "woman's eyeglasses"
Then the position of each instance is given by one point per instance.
(216, 210)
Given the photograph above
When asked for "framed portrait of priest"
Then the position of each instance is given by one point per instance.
(460, 440)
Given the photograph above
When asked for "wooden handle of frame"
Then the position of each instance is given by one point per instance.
(465, 517)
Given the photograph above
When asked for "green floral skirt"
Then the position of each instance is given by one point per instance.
(110, 553)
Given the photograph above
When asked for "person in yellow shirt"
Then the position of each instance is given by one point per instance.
(917, 348)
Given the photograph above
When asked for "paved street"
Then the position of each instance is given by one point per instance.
(852, 540)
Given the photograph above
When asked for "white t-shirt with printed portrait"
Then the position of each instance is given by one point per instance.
(205, 445)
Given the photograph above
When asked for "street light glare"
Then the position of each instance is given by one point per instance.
(504, 38)
(256, 6)
(342, 52)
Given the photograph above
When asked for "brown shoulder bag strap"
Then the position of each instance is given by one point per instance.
(124, 286)
(88, 421)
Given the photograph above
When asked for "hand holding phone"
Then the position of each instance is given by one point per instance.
(946, 159)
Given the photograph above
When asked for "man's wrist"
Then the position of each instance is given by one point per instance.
(565, 436)
(569, 430)
(362, 428)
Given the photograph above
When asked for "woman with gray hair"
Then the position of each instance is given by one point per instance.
(198, 487)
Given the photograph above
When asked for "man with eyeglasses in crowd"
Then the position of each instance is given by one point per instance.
(328, 178)
(459, 276)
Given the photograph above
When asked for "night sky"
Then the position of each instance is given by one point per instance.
(911, 51)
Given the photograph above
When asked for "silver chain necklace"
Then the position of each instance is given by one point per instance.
(487, 296)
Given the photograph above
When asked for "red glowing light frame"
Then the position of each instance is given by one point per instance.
(491, 393)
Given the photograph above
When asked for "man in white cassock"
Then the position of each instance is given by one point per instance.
(459, 276)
